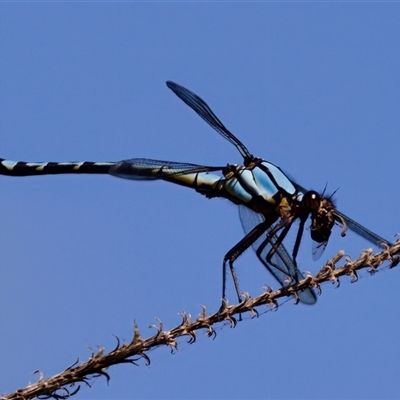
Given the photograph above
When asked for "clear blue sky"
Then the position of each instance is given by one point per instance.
(312, 87)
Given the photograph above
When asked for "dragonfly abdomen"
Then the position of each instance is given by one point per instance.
(23, 168)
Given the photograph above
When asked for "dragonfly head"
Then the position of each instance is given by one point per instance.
(322, 212)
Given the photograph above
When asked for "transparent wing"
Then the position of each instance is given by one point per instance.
(204, 111)
(286, 272)
(362, 231)
(147, 169)
(318, 249)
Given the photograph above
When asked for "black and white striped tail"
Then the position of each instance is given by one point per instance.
(22, 168)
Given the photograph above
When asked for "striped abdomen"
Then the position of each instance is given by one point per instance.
(22, 168)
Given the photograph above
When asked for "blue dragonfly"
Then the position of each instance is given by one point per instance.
(268, 201)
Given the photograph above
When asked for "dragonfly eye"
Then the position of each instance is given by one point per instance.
(311, 201)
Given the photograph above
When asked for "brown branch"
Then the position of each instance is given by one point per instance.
(67, 383)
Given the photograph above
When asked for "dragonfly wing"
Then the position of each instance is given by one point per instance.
(147, 169)
(204, 111)
(285, 272)
(361, 230)
(318, 249)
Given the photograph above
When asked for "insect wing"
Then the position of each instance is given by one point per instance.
(362, 231)
(318, 249)
(204, 111)
(147, 169)
(286, 272)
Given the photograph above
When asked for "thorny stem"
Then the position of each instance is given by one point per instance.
(67, 383)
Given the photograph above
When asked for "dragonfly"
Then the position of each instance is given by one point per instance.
(268, 201)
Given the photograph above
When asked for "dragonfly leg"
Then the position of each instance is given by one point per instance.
(277, 261)
(234, 277)
(236, 251)
(275, 245)
(270, 263)
(298, 240)
(274, 250)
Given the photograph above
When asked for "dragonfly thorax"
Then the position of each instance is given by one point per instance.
(263, 188)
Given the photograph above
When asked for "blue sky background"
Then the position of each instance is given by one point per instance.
(312, 87)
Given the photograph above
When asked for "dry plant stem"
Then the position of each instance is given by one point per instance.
(67, 383)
